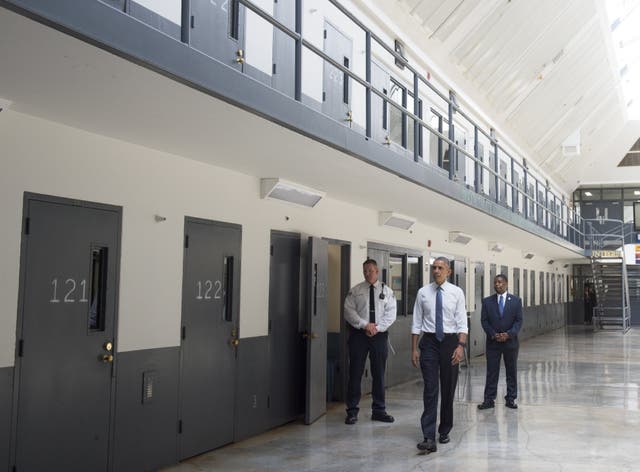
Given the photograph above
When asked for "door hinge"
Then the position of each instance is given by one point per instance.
(193, 21)
(268, 401)
(271, 250)
(269, 326)
(20, 348)
(183, 332)
(273, 70)
(186, 241)
(325, 34)
(27, 225)
(179, 426)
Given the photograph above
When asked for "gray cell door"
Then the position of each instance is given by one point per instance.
(210, 296)
(380, 79)
(336, 86)
(316, 329)
(284, 60)
(286, 346)
(492, 176)
(460, 168)
(503, 182)
(476, 342)
(217, 29)
(65, 336)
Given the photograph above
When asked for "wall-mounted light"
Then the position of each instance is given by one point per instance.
(390, 218)
(459, 237)
(495, 246)
(159, 218)
(528, 254)
(289, 192)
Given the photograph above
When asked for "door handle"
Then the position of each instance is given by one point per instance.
(107, 358)
(234, 342)
(108, 346)
(306, 335)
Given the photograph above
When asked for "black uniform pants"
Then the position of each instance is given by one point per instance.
(361, 346)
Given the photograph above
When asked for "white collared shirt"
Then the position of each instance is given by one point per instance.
(454, 313)
(356, 306)
(504, 299)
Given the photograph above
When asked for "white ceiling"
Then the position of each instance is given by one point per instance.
(50, 75)
(543, 68)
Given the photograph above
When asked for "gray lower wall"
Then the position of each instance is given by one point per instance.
(6, 388)
(146, 433)
(252, 412)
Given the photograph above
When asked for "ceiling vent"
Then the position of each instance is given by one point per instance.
(459, 237)
(550, 261)
(495, 246)
(396, 220)
(528, 254)
(289, 192)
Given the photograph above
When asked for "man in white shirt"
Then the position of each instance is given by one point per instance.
(440, 316)
(501, 318)
(370, 308)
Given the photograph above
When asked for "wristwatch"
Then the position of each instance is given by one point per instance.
(463, 344)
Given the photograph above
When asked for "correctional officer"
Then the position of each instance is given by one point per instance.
(440, 316)
(369, 309)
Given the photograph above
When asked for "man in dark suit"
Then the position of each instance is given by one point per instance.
(501, 320)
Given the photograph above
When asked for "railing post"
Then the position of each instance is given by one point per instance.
(452, 149)
(525, 199)
(496, 163)
(416, 112)
(514, 190)
(478, 168)
(368, 130)
(298, 53)
(185, 27)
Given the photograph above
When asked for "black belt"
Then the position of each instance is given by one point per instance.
(433, 335)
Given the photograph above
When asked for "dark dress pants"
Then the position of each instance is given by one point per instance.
(361, 346)
(509, 351)
(438, 374)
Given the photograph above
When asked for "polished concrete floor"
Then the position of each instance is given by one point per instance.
(579, 402)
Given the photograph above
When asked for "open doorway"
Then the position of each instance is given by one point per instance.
(339, 278)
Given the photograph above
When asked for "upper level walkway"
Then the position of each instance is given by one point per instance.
(578, 410)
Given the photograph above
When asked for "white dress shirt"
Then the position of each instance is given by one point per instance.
(454, 313)
(356, 306)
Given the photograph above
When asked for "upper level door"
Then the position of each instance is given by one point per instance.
(210, 308)
(217, 29)
(336, 88)
(66, 328)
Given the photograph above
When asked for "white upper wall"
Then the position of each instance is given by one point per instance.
(45, 157)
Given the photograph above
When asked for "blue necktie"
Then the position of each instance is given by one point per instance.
(501, 305)
(439, 326)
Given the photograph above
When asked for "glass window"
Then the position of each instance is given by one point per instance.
(414, 280)
(542, 300)
(525, 287)
(611, 194)
(628, 213)
(396, 280)
(591, 194)
(532, 299)
(397, 120)
(632, 193)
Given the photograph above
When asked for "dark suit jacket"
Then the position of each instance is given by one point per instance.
(511, 320)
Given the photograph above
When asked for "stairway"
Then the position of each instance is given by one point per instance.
(612, 293)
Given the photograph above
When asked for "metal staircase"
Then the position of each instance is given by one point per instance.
(610, 281)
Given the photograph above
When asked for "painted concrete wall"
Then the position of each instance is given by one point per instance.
(44, 157)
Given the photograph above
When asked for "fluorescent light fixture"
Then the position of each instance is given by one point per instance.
(588, 194)
(459, 237)
(390, 218)
(528, 254)
(495, 246)
(289, 192)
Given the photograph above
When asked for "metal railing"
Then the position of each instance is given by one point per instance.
(512, 182)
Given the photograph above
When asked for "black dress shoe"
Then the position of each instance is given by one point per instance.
(511, 404)
(351, 419)
(428, 446)
(382, 416)
(486, 405)
(444, 439)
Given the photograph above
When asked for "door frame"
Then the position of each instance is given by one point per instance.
(17, 369)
